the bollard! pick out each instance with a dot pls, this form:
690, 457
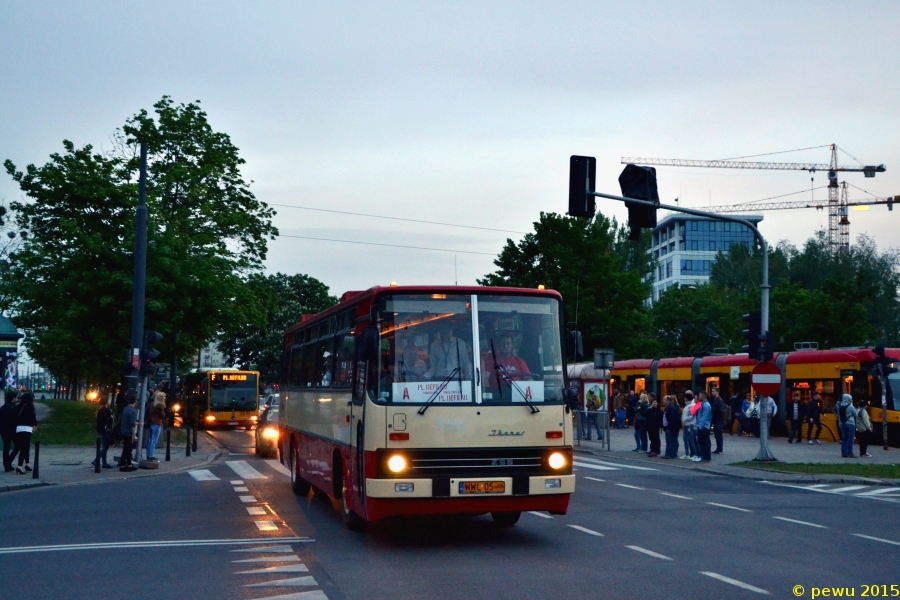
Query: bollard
97, 457
187, 430
196, 430
37, 459
168, 445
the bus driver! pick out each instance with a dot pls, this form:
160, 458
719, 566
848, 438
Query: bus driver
510, 365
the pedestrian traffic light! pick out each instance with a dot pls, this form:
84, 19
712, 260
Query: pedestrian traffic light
766, 346
752, 333
148, 354
639, 183
582, 175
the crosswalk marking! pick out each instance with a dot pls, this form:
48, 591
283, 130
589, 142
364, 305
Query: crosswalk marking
237, 482
255, 510
203, 475
241, 489
849, 488
307, 580
616, 465
294, 568
880, 491
247, 498
278, 467
884, 494
596, 467
244, 470
291, 558
313, 595
266, 525
275, 549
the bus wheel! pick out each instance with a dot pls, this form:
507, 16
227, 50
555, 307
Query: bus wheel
298, 484
352, 520
506, 519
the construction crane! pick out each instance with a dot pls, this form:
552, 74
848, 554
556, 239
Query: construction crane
795, 204
838, 220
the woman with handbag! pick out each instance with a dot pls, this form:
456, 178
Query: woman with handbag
26, 422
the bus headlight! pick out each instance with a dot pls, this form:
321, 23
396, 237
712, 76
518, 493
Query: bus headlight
210, 418
397, 463
556, 461
254, 418
270, 433
176, 408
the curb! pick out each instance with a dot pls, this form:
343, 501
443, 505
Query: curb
758, 474
209, 459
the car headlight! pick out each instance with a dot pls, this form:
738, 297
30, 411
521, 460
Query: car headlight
270, 433
556, 460
397, 463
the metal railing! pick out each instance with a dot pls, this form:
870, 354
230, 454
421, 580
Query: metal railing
589, 423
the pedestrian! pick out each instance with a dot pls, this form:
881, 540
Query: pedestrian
734, 404
771, 410
640, 423
594, 403
702, 425
717, 404
847, 418
128, 429
687, 419
671, 423
797, 413
739, 405
26, 422
752, 415
104, 429
8, 427
619, 405
813, 414
863, 429
157, 419
654, 423
631, 402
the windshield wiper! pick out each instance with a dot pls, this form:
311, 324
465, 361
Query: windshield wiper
504, 375
438, 391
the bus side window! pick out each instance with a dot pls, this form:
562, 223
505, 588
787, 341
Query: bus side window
344, 347
296, 366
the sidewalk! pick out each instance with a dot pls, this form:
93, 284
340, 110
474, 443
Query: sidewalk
71, 465
738, 449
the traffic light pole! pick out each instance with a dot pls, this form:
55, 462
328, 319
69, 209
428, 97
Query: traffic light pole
140, 276
764, 452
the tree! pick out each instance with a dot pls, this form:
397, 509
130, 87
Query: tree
283, 299
683, 318
70, 282
600, 277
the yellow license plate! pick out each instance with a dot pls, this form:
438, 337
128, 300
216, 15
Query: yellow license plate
482, 487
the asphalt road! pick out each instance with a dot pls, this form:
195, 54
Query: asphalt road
630, 533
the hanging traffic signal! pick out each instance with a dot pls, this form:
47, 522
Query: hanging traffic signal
884, 365
582, 175
752, 333
148, 354
639, 183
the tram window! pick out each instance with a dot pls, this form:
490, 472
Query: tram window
344, 346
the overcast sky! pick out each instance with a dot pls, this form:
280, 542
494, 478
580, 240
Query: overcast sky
467, 113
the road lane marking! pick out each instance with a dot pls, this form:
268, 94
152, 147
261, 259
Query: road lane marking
256, 510
631, 487
586, 530
595, 479
849, 488
266, 526
877, 539
886, 490
278, 467
648, 552
247, 498
237, 482
731, 507
285, 582
800, 522
735, 582
291, 558
275, 549
313, 595
595, 467
244, 470
675, 496
241, 488
537, 514
203, 475
616, 465
160, 544
294, 568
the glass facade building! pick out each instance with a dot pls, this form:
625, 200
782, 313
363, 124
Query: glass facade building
685, 247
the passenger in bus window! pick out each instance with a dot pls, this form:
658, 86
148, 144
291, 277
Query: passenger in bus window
448, 353
508, 364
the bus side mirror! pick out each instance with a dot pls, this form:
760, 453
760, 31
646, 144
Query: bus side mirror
368, 343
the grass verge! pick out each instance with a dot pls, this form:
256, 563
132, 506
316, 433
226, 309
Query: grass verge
74, 424
859, 470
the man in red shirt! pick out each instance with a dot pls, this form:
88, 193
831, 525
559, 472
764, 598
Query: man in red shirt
511, 366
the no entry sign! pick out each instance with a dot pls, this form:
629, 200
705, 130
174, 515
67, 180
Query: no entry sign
766, 379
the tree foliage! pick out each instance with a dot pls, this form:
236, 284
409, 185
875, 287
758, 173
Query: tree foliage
599, 274
69, 284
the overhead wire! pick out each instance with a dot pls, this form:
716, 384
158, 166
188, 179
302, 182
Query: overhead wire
304, 237
779, 152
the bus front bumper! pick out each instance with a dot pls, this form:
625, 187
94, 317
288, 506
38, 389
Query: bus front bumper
541, 485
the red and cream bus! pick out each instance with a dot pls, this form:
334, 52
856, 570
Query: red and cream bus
430, 400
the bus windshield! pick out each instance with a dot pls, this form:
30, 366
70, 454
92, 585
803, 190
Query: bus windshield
436, 349
233, 391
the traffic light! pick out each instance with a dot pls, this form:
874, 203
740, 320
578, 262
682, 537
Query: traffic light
148, 354
639, 183
884, 365
752, 333
582, 175
766, 346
